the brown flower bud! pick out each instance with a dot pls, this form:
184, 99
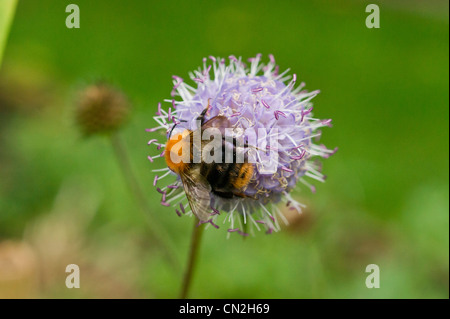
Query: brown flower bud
101, 109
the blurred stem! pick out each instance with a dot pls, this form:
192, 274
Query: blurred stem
7, 9
193, 253
163, 239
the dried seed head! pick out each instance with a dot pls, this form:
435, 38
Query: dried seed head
101, 109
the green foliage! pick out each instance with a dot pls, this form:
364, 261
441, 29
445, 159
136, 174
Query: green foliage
7, 8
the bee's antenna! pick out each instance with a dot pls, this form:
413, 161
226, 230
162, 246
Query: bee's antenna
173, 127
201, 117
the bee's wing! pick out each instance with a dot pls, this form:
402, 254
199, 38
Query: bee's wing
197, 191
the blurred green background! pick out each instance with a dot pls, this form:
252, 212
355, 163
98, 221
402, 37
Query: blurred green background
63, 199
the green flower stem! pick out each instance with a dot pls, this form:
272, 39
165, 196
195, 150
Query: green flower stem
193, 253
7, 9
163, 239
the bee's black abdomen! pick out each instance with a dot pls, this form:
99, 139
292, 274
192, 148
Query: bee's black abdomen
221, 177
226, 179
223, 194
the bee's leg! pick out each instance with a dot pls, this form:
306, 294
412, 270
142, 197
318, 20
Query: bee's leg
234, 141
242, 195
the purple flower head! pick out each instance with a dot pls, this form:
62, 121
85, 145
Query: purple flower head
257, 99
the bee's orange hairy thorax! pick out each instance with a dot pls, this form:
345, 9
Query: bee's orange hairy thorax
174, 152
244, 176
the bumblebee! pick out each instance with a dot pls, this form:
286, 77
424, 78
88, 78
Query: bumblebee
200, 180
